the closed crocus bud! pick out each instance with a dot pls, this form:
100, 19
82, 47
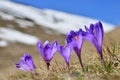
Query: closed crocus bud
26, 63
95, 35
65, 52
47, 51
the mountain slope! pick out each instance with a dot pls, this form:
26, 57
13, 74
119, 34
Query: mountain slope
59, 21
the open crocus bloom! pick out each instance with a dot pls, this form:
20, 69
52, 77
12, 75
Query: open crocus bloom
75, 41
65, 52
26, 63
47, 51
95, 35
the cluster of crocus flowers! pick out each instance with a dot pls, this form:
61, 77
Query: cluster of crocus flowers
74, 41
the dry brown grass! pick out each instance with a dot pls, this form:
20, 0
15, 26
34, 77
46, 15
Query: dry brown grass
93, 68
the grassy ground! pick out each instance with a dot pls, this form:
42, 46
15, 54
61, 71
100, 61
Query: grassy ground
94, 70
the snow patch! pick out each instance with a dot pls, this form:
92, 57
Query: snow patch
3, 43
6, 16
24, 23
11, 35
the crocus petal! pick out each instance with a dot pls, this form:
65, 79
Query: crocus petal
59, 48
73, 43
80, 40
99, 33
92, 40
47, 52
54, 47
75, 39
22, 66
87, 29
70, 36
46, 43
40, 48
29, 62
91, 28
65, 52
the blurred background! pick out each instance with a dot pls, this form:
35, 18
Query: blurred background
24, 22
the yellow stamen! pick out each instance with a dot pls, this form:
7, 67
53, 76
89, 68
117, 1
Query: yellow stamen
64, 46
76, 38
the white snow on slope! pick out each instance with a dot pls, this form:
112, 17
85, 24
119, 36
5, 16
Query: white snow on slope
11, 35
6, 16
24, 23
59, 21
3, 43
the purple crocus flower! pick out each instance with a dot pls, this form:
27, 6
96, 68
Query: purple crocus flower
26, 63
65, 52
75, 41
47, 51
95, 35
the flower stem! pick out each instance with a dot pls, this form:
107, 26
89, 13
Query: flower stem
80, 60
48, 64
68, 67
102, 60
